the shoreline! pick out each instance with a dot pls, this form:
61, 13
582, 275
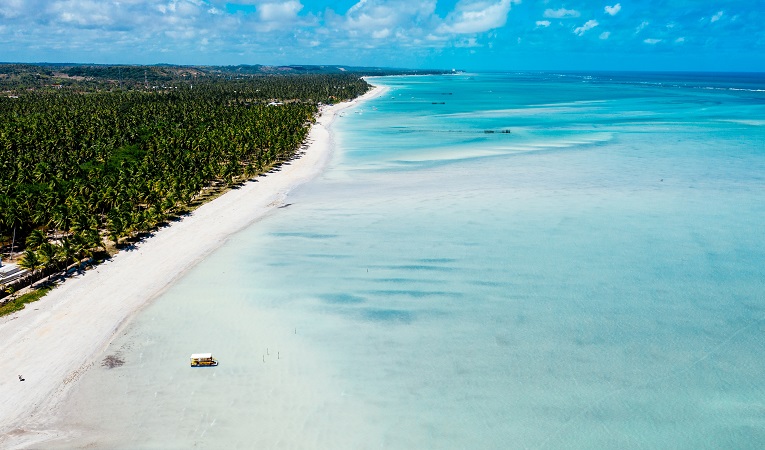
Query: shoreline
52, 342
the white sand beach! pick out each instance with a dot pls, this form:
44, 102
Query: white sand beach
52, 342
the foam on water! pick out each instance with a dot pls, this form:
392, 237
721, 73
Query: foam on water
442, 287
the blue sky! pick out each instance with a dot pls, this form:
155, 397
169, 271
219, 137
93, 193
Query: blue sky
719, 35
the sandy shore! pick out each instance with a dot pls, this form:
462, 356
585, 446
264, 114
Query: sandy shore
51, 343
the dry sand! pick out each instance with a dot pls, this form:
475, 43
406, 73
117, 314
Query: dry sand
52, 342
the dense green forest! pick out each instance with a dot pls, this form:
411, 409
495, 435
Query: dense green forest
83, 165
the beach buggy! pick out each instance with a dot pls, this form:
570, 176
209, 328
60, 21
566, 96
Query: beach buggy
203, 360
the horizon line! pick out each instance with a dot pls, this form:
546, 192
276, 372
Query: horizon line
42, 63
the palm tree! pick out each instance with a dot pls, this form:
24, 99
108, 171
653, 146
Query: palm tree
60, 218
116, 228
92, 239
35, 239
123, 160
48, 254
10, 218
68, 250
82, 246
30, 261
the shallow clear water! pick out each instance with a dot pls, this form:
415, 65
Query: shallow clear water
491, 261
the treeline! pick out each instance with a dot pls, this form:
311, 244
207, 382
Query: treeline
80, 167
16, 78
132, 73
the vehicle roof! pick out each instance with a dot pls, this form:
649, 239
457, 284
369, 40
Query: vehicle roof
201, 355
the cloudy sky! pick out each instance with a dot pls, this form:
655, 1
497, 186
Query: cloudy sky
715, 35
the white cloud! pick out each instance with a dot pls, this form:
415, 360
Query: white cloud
436, 38
176, 11
467, 43
181, 33
613, 10
589, 25
278, 12
277, 16
358, 6
408, 32
383, 24
477, 16
82, 13
366, 16
11, 8
187, 8
561, 13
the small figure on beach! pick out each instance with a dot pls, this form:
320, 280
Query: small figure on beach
21, 378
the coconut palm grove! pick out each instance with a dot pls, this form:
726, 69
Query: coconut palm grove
92, 156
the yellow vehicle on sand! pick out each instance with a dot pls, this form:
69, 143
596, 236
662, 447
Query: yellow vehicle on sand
203, 360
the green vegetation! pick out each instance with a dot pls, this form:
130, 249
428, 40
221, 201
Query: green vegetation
17, 78
18, 303
79, 163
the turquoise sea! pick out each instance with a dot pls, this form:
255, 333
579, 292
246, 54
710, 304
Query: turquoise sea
530, 260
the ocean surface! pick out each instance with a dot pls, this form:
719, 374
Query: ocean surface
495, 261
